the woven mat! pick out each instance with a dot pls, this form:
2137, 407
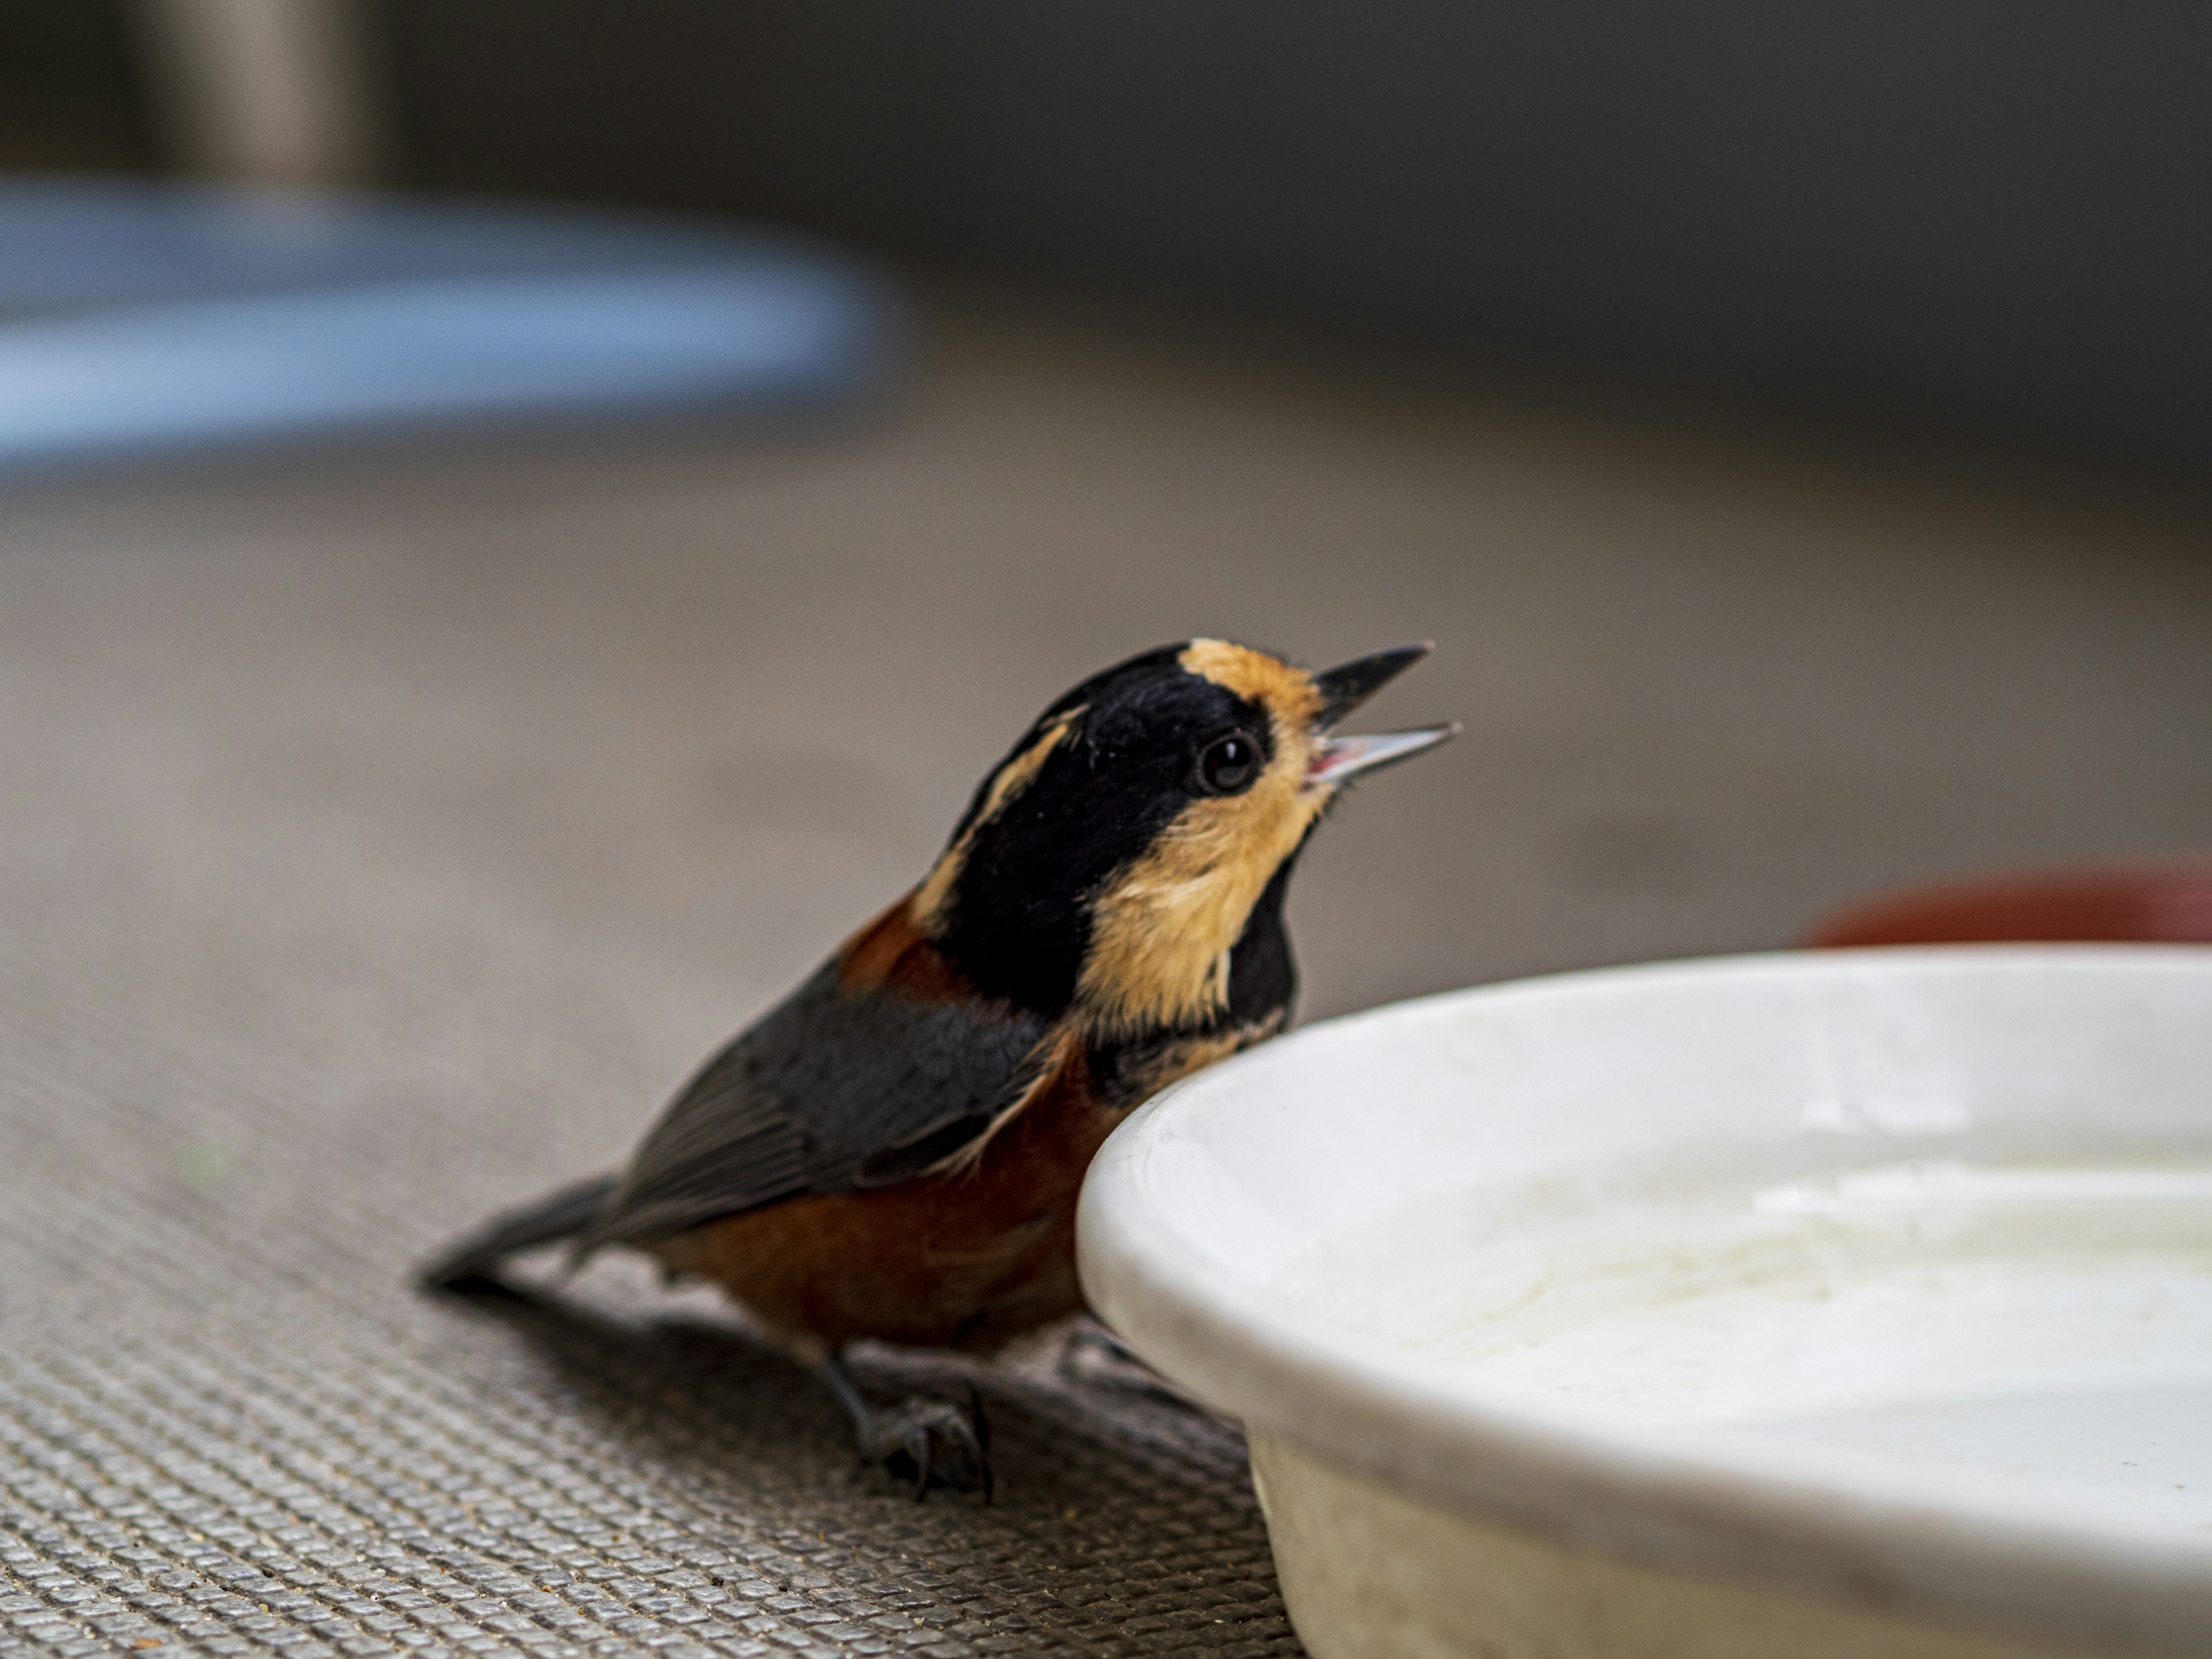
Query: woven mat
381, 838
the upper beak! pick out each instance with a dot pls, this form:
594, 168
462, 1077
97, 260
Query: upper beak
1343, 689
1348, 685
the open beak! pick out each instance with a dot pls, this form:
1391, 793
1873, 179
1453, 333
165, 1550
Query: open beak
1343, 689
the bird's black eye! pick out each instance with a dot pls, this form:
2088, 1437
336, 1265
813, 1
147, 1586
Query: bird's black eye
1228, 764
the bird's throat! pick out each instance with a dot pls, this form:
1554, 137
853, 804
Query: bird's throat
1163, 934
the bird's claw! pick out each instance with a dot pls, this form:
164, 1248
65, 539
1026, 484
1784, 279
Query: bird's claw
934, 1443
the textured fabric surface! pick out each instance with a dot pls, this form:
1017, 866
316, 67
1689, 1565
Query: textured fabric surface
382, 837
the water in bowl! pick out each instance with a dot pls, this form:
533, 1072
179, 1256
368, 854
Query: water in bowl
2048, 1322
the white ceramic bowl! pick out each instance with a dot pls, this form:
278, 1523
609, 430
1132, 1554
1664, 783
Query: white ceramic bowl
1843, 1303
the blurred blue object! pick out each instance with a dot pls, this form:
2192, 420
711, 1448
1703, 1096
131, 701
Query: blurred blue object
141, 319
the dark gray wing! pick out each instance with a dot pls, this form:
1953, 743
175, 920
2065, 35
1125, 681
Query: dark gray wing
831, 1091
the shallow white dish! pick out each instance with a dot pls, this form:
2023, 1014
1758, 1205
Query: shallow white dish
1855, 1302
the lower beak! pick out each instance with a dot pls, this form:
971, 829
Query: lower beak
1336, 759
1343, 689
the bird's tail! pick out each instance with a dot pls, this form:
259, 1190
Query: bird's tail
476, 1258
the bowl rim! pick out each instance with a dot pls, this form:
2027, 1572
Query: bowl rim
1826, 1523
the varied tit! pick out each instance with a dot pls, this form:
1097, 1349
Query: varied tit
893, 1151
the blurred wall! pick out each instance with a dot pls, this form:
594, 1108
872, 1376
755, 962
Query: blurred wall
71, 93
1993, 209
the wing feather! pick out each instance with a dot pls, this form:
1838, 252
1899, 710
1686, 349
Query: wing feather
837, 1088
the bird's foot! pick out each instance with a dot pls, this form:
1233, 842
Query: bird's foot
931, 1442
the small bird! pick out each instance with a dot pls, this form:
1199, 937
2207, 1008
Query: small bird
893, 1151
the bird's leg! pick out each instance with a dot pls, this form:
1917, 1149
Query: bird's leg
929, 1441
1093, 1357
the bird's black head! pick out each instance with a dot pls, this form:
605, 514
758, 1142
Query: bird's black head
1112, 862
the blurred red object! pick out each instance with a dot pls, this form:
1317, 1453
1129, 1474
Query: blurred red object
2167, 900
